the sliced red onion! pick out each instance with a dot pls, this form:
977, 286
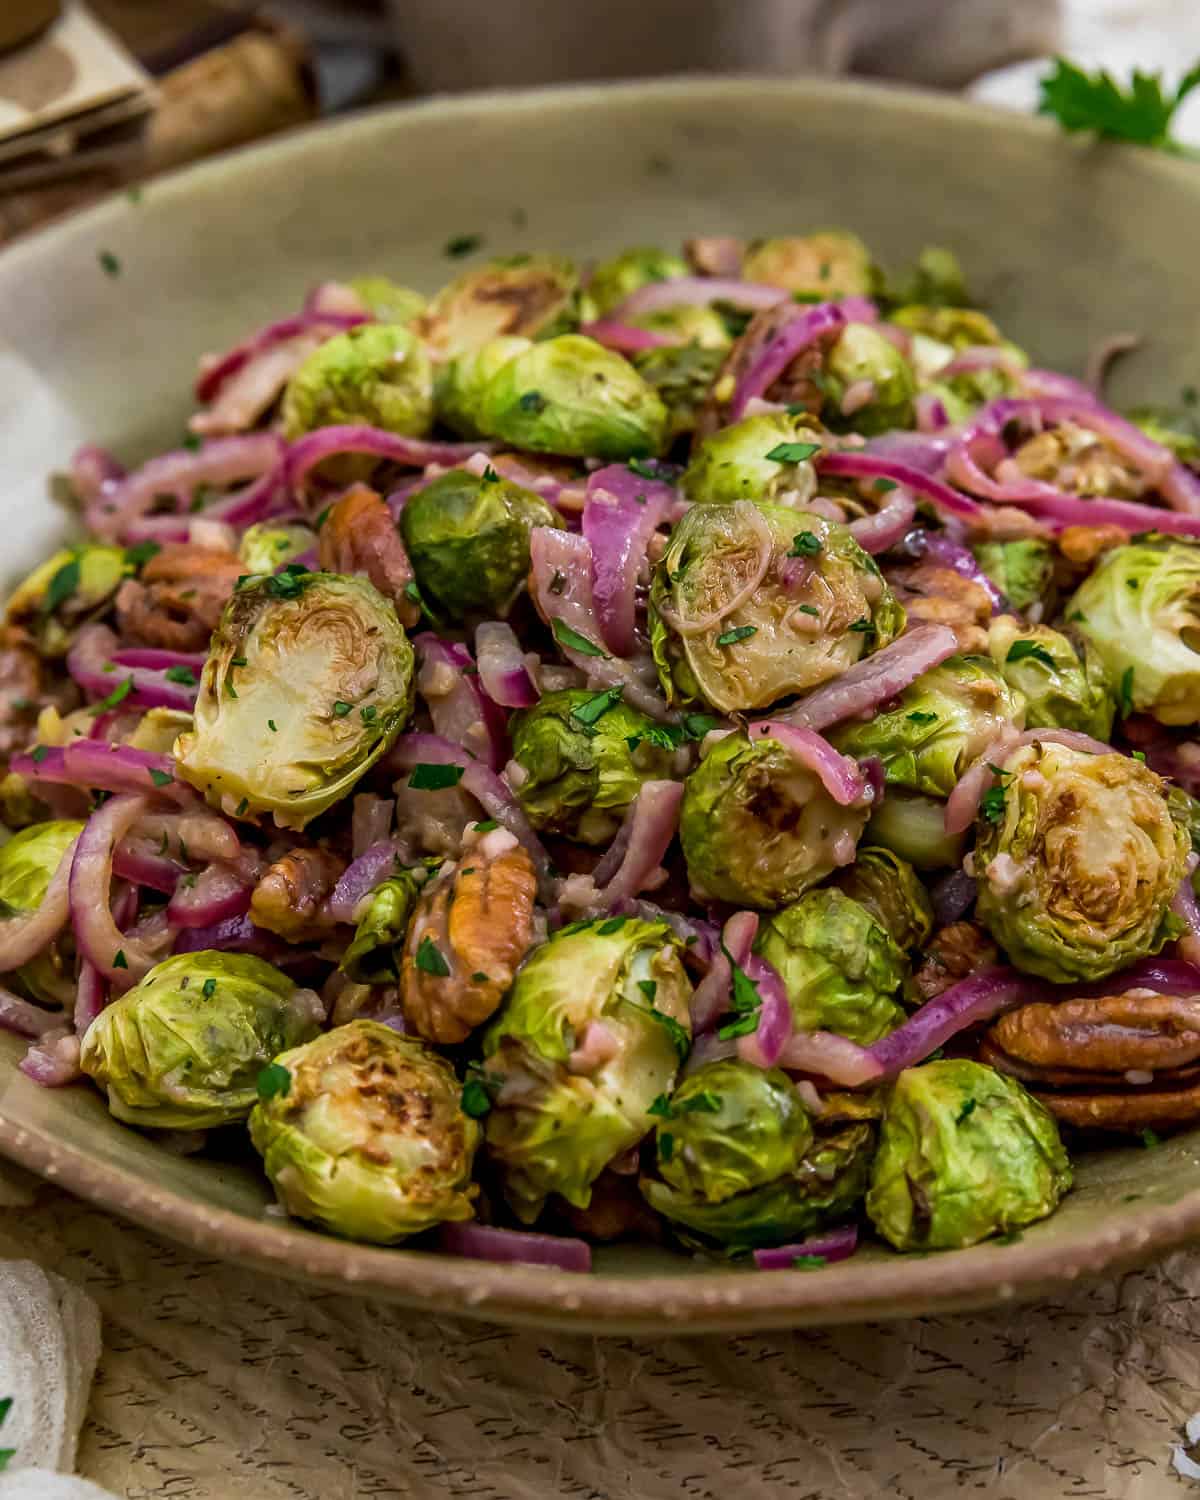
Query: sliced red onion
94, 474
215, 370
25, 1019
157, 660
1165, 976
808, 327
698, 291
251, 390
370, 822
102, 767
216, 895
622, 512
566, 496
488, 789
237, 935
982, 357
178, 474
1061, 510
1055, 386
841, 777
360, 878
764, 1046
329, 442
118, 958
874, 465
649, 826
561, 585
91, 663
931, 412
832, 1245
888, 525
924, 451
515, 1247
449, 682
963, 802
874, 680
953, 896
24, 936
503, 673
710, 998
954, 555
91, 996
53, 1061
626, 338
133, 862
858, 393
830, 1056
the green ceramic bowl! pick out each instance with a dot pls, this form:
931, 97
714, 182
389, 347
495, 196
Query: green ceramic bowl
1067, 243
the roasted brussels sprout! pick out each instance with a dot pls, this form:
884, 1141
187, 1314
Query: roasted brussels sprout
937, 280
758, 828
65, 592
738, 1164
699, 326
750, 603
308, 682
1140, 609
964, 1153
913, 826
826, 264
956, 327
869, 384
615, 279
27, 865
840, 968
579, 760
373, 955
460, 385
1078, 858
529, 296
1062, 687
939, 725
268, 546
568, 395
467, 538
362, 1132
377, 373
768, 457
1023, 569
386, 300
890, 890
591, 1033
682, 376
183, 1049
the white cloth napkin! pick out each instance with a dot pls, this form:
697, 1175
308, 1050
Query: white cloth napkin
1120, 35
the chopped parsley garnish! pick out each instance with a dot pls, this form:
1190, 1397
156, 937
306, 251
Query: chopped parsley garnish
808, 1262
595, 707
479, 977
965, 1112
119, 959
368, 713
613, 924
1024, 650
434, 778
532, 401
661, 1108
274, 1081
745, 1002
182, 675
649, 988
696, 726
489, 476
666, 1147
486, 826
209, 988
884, 486
161, 778
705, 1101
805, 544
229, 687
237, 661
1189, 395
462, 244
642, 469
242, 806
1141, 113
1126, 693
792, 453
476, 1101
193, 442
61, 586
118, 695
808, 609
411, 591
738, 633
429, 959
991, 804
571, 640
341, 709
918, 717
1138, 755
863, 626
271, 726
289, 583
109, 263
1150, 1139
38, 754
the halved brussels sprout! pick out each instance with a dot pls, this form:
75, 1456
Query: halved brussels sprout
568, 395
1140, 609
758, 828
701, 326
592, 1032
740, 1167
532, 296
823, 265
864, 364
582, 759
913, 826
308, 683
362, 1132
373, 955
937, 280
964, 1153
467, 538
65, 592
386, 300
377, 373
938, 726
619, 277
27, 865
1078, 859
889, 888
459, 386
1023, 569
840, 968
681, 375
751, 603
268, 545
1063, 687
183, 1049
767, 457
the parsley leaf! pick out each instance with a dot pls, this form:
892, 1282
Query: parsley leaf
118, 695
341, 709
696, 726
476, 1100
661, 1108
597, 705
808, 1262
1024, 650
429, 959
462, 244
183, 675
613, 924
532, 401
991, 804
109, 263
161, 778
274, 1080
1141, 113
1150, 1139
434, 778
666, 1147
642, 469
738, 633
917, 717
792, 453
571, 640
1126, 693
119, 959
805, 544
965, 1112
61, 586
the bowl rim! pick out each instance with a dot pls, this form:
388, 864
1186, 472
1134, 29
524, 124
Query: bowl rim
722, 1300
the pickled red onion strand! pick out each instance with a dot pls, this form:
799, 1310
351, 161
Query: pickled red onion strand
652, 821
217, 894
217, 369
93, 474
136, 864
360, 878
93, 651
873, 680
249, 391
370, 821
23, 1018
888, 525
1185, 906
962, 560
449, 682
515, 1246
53, 1061
698, 291
626, 338
838, 774
157, 659
808, 327
103, 767
99, 938
830, 1246
620, 515
91, 996
963, 802
874, 465
503, 673
763, 1046
328, 442
24, 936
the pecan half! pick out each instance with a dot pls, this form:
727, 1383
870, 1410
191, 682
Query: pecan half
960, 949
1082, 545
288, 898
938, 595
359, 536
178, 599
471, 928
617, 1211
